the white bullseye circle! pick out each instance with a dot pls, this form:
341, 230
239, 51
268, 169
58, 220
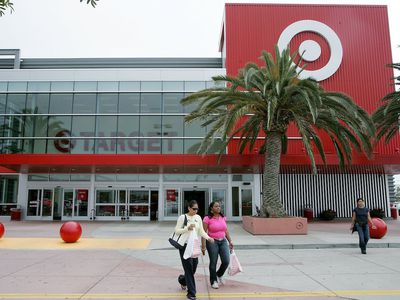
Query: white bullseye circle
310, 50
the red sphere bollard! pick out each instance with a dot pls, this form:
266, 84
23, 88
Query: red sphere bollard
381, 228
2, 230
70, 232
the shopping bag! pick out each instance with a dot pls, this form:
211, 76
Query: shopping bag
234, 265
193, 248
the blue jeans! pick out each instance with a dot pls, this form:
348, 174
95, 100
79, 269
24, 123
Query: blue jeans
220, 248
363, 234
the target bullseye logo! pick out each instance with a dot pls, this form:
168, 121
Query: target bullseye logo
311, 50
64, 144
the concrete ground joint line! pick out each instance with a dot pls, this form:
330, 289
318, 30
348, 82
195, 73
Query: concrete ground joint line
310, 277
104, 276
32, 264
206, 277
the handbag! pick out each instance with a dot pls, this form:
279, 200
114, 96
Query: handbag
234, 265
174, 239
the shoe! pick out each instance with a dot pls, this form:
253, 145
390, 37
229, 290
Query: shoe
221, 280
363, 251
183, 287
191, 297
215, 285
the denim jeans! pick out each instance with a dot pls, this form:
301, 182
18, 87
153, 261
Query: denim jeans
189, 266
363, 234
220, 248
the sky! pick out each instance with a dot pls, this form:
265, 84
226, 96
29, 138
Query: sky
133, 28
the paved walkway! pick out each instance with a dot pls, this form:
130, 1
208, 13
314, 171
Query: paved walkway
134, 261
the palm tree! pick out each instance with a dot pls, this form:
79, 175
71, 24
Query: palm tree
386, 117
269, 99
7, 4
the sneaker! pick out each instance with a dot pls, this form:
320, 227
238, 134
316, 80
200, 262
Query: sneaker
191, 297
215, 285
364, 251
221, 280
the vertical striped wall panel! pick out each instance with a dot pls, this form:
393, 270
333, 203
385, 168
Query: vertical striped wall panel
335, 191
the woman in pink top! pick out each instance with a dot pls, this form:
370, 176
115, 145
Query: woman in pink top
215, 225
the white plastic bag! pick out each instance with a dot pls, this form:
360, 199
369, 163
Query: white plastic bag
234, 265
193, 246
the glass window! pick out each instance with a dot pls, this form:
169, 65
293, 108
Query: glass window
128, 126
147, 146
85, 86
83, 126
107, 86
150, 103
190, 107
172, 146
127, 146
105, 146
82, 146
127, 177
150, 86
16, 103
38, 177
37, 103
191, 145
174, 86
107, 103
84, 104
17, 86
194, 129
60, 103
14, 126
105, 177
3, 101
59, 125
174, 177
242, 177
35, 146
3, 86
12, 146
194, 86
106, 126
129, 103
80, 177
172, 126
35, 126
172, 102
148, 177
129, 86
150, 126
59, 177
62, 86
39, 86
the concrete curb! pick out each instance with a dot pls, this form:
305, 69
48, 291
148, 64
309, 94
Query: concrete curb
305, 246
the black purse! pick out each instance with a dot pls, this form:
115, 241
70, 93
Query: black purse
174, 239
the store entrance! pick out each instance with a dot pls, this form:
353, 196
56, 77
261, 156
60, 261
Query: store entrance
201, 196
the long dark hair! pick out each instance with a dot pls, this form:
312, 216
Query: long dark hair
210, 213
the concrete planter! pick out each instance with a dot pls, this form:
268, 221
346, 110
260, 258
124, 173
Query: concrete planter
287, 225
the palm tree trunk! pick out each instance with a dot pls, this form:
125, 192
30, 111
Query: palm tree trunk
272, 205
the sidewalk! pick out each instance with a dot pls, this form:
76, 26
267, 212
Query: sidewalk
275, 267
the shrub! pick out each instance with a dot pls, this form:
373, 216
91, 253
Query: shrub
327, 215
377, 213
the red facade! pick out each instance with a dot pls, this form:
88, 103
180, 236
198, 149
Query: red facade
363, 73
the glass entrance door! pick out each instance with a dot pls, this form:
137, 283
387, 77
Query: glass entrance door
75, 203
40, 203
242, 201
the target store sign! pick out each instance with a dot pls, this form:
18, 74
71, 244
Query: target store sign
345, 46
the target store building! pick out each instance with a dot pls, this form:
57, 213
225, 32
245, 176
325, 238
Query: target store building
105, 139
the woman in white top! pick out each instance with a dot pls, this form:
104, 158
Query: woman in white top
194, 222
